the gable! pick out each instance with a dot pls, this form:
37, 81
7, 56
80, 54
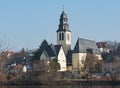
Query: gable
61, 51
44, 56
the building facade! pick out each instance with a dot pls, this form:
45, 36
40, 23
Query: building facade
68, 59
80, 51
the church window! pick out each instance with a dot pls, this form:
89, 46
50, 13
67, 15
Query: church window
59, 36
62, 36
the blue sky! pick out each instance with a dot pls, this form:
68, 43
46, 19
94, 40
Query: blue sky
26, 23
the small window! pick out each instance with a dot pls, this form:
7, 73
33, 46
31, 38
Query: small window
59, 36
62, 36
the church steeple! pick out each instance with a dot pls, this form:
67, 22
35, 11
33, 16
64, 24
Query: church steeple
63, 25
63, 33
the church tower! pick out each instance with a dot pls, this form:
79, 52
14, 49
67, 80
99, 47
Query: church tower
63, 33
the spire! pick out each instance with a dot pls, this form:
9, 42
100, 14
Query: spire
63, 22
63, 7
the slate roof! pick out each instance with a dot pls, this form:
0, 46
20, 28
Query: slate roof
57, 47
44, 44
62, 17
16, 61
85, 45
52, 50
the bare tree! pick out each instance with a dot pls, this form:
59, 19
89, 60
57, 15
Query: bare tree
4, 43
92, 64
3, 56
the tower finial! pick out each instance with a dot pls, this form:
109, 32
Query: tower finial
63, 7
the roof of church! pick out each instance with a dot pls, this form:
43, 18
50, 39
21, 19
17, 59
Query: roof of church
62, 17
57, 47
51, 50
85, 45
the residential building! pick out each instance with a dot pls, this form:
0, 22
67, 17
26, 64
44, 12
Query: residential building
103, 46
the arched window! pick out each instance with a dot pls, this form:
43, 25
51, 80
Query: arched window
62, 36
59, 36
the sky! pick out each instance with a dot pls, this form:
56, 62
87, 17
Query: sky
26, 23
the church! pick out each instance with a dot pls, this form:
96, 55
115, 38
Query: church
68, 59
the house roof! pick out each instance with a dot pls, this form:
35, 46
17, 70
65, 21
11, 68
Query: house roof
85, 45
16, 61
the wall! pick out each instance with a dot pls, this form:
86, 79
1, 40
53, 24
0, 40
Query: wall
62, 60
78, 60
